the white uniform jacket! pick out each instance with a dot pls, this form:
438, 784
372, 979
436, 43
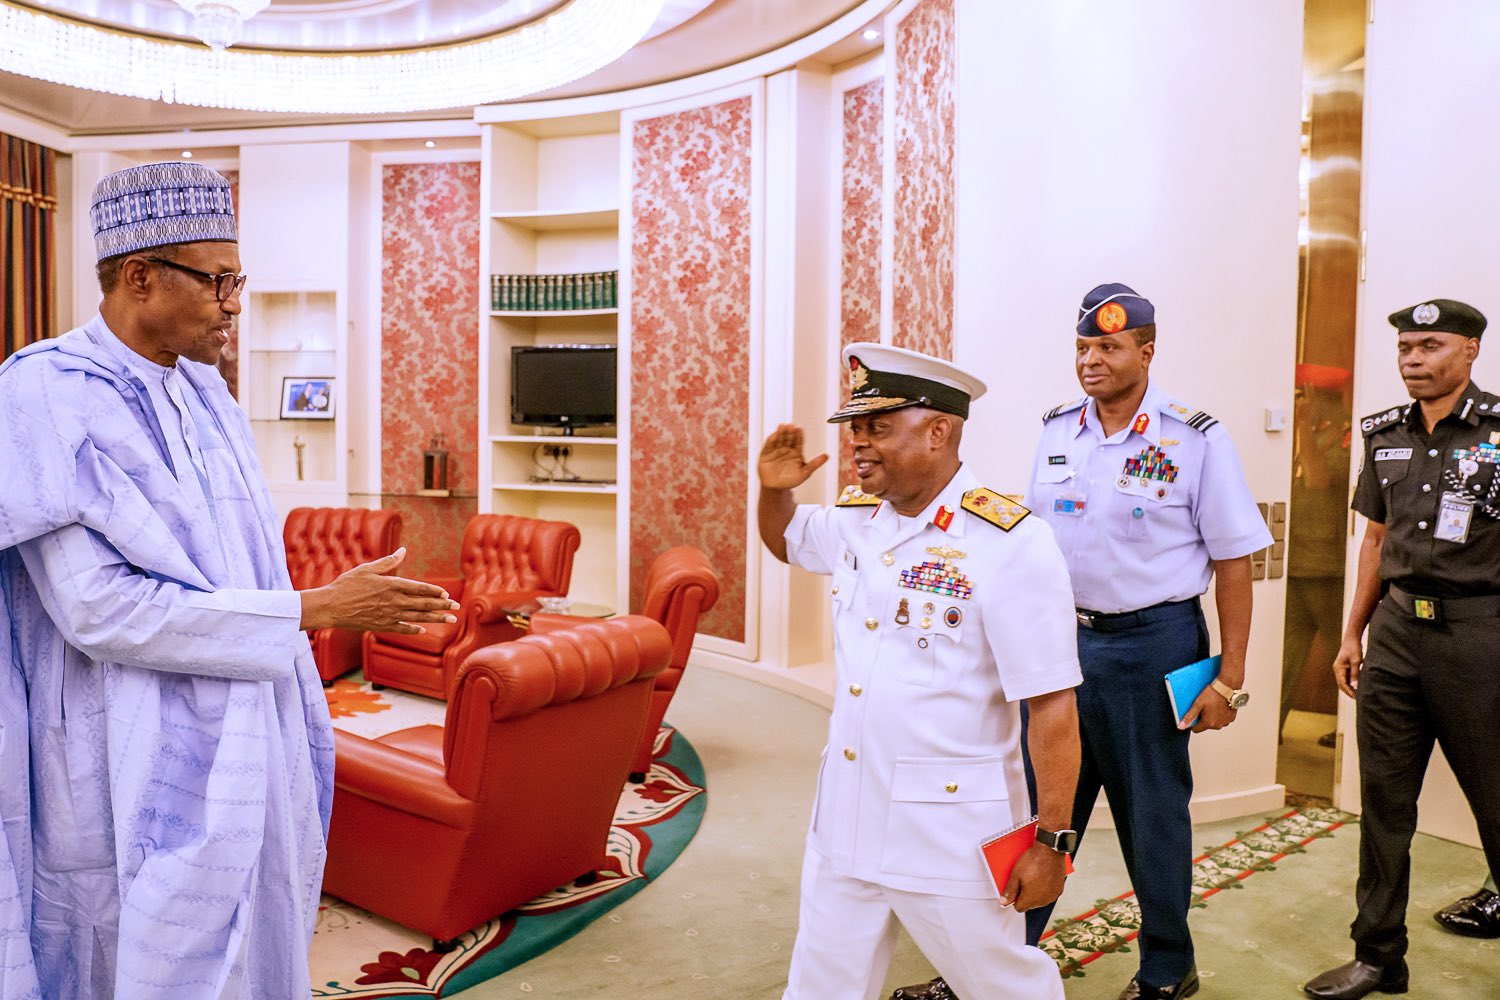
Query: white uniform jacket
938, 636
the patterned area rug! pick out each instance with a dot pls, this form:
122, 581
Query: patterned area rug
1114, 923
357, 954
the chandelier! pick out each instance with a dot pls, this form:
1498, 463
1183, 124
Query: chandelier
571, 42
219, 22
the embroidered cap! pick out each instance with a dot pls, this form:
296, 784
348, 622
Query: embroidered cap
157, 204
885, 378
1111, 308
1440, 316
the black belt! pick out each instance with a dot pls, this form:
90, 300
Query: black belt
1441, 609
1119, 621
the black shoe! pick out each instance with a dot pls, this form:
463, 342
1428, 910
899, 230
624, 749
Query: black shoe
1473, 916
1180, 990
938, 989
1358, 979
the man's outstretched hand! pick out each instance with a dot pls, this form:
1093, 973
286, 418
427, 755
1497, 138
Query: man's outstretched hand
365, 598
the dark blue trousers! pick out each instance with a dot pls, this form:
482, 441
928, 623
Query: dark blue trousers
1133, 749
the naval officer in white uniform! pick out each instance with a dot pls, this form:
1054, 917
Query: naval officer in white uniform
952, 606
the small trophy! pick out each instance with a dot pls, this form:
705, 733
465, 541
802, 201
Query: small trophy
300, 445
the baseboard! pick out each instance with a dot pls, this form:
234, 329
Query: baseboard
812, 683
1212, 808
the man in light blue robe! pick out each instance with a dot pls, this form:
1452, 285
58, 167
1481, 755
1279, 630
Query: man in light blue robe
166, 747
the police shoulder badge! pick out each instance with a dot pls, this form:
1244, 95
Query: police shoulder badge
853, 496
1064, 408
1003, 513
1382, 420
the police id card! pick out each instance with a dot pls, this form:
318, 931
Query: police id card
1454, 512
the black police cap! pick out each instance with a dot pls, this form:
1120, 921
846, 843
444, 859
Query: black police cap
1440, 316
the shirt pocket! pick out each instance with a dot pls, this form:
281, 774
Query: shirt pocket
923, 633
1050, 479
942, 808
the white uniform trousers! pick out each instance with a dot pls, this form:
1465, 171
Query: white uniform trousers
847, 931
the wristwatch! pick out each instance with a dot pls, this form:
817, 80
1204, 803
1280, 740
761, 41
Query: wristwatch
1061, 841
1237, 697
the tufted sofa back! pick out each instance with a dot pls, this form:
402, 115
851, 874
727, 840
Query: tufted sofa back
505, 553
322, 542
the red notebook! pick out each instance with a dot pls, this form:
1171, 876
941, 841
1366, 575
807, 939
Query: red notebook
1002, 851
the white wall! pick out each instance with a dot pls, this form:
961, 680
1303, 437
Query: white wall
1432, 137
1154, 143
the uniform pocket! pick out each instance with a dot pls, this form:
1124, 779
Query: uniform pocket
919, 638
941, 809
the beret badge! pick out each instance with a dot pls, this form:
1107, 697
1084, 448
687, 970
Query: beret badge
1426, 314
1111, 317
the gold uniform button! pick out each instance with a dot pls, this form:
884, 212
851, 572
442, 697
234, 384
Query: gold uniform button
856, 690
834, 591
871, 624
888, 558
952, 787
849, 754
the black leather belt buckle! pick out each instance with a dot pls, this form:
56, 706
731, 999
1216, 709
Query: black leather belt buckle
1427, 609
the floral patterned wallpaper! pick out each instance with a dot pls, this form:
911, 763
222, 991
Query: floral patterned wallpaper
859, 257
690, 349
922, 310
429, 379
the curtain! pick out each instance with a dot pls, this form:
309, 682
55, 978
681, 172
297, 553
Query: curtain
28, 242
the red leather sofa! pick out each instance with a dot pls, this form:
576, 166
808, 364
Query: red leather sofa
680, 586
323, 542
506, 561
443, 828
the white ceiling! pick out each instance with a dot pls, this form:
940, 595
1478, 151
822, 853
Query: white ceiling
691, 36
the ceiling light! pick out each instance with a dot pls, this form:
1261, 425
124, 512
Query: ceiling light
571, 42
187, 154
219, 22
869, 34
429, 144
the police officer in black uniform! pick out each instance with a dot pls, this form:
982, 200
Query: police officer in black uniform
1428, 587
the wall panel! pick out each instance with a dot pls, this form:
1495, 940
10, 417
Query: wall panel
859, 241
691, 259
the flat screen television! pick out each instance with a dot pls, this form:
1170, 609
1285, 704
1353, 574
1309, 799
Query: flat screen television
568, 386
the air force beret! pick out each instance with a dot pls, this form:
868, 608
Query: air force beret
1111, 308
885, 378
157, 204
1440, 316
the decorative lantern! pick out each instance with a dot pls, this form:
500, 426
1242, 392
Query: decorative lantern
435, 468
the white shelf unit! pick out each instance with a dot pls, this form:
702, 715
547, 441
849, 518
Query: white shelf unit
296, 333
551, 195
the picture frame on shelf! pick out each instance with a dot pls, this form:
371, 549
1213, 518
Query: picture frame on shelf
307, 397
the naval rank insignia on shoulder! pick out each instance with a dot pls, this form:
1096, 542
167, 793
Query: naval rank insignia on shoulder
1062, 408
1001, 511
1380, 421
853, 496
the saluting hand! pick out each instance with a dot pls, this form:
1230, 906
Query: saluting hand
365, 598
781, 466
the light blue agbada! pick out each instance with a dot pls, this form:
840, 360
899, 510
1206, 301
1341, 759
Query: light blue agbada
156, 689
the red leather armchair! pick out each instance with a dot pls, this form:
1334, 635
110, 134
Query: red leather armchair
505, 561
443, 828
680, 586
323, 542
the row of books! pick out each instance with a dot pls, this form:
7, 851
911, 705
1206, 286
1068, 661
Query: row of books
541, 292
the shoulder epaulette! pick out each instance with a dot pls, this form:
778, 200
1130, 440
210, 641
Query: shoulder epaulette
1200, 421
1003, 512
853, 496
1060, 409
1380, 421
1487, 405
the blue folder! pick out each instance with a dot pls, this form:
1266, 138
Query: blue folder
1185, 684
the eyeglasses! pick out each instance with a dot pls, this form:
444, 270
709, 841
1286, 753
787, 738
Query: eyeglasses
225, 285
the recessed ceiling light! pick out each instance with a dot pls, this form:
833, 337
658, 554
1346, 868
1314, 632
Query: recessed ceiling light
187, 154
429, 144
869, 34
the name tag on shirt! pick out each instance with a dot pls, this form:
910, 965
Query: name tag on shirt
1392, 454
1069, 504
1057, 459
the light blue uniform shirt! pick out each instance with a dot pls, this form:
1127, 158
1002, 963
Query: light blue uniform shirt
1141, 515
